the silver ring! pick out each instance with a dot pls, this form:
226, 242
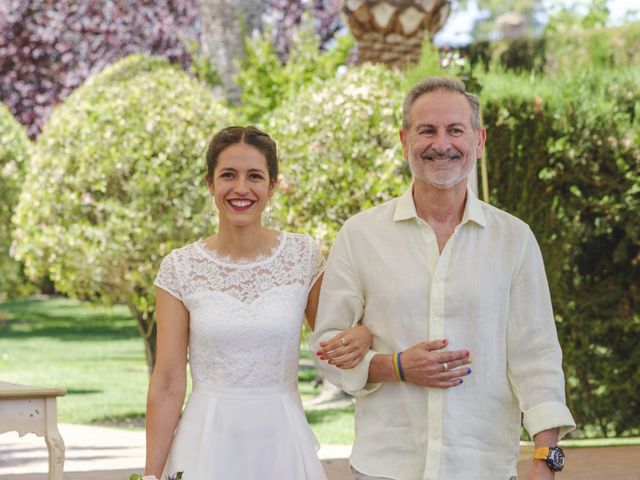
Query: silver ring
342, 341
446, 367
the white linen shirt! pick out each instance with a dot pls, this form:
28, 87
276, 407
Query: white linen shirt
485, 292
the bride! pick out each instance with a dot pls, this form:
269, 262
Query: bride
235, 302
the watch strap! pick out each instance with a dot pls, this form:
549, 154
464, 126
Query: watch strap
541, 453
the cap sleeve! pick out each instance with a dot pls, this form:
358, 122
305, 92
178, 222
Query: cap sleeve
167, 277
317, 262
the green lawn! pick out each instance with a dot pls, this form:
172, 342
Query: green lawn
97, 355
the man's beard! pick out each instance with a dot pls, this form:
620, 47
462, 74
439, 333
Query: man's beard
441, 179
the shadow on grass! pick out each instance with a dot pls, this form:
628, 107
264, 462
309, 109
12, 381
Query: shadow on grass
134, 420
317, 417
82, 391
65, 319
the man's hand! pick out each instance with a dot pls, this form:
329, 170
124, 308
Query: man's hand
423, 365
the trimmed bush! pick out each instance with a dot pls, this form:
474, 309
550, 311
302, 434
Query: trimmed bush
339, 150
14, 146
116, 182
564, 156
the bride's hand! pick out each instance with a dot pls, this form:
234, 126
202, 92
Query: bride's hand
346, 349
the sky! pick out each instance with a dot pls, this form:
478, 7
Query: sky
457, 29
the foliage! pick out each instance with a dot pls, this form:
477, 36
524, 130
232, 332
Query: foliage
47, 49
563, 51
566, 18
266, 82
484, 26
595, 48
564, 155
287, 16
14, 146
116, 182
339, 150
434, 62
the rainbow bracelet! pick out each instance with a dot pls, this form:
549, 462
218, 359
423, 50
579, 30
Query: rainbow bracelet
400, 367
397, 366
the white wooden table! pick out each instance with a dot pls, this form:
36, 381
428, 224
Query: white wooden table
27, 409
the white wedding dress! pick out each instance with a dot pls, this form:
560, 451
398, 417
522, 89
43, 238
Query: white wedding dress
244, 419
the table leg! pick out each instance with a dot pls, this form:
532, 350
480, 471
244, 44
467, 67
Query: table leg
54, 441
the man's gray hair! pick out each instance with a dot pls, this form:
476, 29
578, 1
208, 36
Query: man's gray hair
431, 84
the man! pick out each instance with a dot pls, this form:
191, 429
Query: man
455, 294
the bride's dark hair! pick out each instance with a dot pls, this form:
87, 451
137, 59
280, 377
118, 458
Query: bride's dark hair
248, 135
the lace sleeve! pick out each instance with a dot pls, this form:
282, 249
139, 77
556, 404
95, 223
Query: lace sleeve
317, 262
167, 278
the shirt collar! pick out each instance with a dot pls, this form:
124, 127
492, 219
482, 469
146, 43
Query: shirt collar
406, 208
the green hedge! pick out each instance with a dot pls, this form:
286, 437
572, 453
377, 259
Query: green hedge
116, 182
14, 147
564, 155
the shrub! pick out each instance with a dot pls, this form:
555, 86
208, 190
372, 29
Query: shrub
266, 83
14, 146
116, 182
339, 149
47, 49
564, 155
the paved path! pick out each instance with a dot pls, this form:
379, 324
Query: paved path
98, 453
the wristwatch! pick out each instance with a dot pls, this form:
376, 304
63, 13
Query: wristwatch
554, 456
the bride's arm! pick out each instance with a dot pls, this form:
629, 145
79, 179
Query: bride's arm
346, 349
312, 303
168, 381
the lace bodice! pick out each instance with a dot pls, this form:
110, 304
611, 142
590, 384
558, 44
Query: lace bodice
245, 318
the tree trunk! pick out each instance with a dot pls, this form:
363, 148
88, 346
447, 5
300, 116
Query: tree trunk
147, 327
224, 25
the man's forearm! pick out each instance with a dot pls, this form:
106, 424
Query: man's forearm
546, 438
381, 369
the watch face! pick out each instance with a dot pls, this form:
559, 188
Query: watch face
555, 460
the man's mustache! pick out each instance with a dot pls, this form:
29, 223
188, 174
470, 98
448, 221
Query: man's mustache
432, 154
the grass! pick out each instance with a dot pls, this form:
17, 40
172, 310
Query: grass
97, 355
94, 352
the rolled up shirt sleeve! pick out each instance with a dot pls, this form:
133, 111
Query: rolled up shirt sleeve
534, 357
341, 307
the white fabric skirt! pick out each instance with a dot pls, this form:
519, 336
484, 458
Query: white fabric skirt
244, 434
